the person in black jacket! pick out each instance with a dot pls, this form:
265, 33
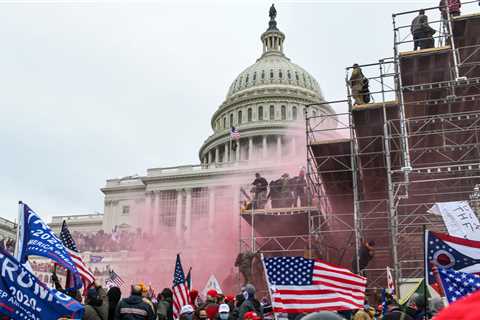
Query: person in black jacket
133, 307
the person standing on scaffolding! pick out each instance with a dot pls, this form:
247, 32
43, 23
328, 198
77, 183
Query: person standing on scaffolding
422, 32
452, 6
299, 186
359, 85
259, 191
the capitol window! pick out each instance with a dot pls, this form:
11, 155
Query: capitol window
260, 113
224, 122
271, 74
280, 74
284, 113
272, 112
231, 119
294, 113
263, 74
125, 210
255, 76
249, 114
239, 117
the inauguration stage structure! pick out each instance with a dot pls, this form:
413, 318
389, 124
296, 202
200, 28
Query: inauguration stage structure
376, 170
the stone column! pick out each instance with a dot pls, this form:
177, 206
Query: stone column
155, 211
225, 154
178, 217
237, 157
264, 147
188, 215
236, 209
294, 145
279, 146
209, 157
211, 210
217, 154
250, 148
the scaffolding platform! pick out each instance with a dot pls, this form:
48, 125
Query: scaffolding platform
278, 211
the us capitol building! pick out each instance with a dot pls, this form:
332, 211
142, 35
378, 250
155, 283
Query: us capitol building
179, 205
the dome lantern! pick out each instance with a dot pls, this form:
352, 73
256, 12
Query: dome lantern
272, 39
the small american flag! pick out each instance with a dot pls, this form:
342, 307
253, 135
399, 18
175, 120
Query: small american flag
67, 240
181, 294
114, 280
457, 284
234, 134
305, 285
390, 283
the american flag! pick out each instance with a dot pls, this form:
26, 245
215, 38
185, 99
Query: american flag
67, 240
181, 294
305, 285
234, 134
457, 284
114, 280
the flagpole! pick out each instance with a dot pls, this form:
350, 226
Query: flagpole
16, 252
425, 267
268, 284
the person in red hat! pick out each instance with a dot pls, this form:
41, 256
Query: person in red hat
251, 315
211, 305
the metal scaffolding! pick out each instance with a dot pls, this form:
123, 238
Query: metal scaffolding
415, 144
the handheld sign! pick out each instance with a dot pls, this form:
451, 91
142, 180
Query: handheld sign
37, 239
24, 296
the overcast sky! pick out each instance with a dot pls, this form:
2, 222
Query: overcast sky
91, 90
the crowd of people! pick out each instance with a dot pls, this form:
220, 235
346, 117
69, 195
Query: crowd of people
102, 241
285, 192
7, 244
144, 304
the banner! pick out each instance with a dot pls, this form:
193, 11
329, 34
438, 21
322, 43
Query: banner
23, 296
95, 259
459, 219
37, 239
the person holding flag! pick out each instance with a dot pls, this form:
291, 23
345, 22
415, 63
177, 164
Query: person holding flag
181, 293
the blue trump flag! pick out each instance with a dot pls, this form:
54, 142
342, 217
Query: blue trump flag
23, 296
37, 239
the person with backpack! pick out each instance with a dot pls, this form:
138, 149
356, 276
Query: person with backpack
133, 307
96, 304
359, 85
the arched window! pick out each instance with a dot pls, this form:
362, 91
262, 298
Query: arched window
231, 119
263, 74
271, 74
239, 120
272, 112
284, 113
289, 75
260, 113
246, 80
280, 74
249, 115
294, 113
254, 76
224, 122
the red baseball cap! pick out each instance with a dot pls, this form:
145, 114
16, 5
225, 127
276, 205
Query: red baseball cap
251, 315
212, 293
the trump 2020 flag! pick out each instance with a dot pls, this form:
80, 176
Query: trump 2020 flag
37, 239
301, 285
446, 251
23, 296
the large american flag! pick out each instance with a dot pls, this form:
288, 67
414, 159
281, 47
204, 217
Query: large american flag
457, 284
67, 240
305, 285
181, 294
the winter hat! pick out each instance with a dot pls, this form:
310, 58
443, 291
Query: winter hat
193, 296
186, 309
92, 294
223, 308
250, 289
323, 315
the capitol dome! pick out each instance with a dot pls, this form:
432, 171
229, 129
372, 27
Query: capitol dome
265, 104
273, 70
